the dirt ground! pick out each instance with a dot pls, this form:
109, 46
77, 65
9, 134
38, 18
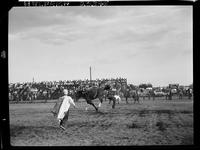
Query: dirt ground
158, 122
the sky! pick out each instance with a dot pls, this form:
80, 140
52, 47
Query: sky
145, 44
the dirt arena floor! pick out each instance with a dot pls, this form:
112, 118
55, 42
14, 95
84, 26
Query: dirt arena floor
158, 122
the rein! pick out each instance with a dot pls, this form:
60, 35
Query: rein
95, 94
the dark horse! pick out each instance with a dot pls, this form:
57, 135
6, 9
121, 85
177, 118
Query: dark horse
128, 93
90, 94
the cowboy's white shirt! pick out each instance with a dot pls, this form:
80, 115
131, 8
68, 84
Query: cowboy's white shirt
65, 106
117, 97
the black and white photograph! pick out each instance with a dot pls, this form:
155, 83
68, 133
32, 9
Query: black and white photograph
101, 75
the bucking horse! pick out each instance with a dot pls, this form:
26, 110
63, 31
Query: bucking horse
91, 94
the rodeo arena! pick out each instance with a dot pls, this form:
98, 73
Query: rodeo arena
100, 112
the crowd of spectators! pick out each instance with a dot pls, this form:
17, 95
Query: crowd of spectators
53, 89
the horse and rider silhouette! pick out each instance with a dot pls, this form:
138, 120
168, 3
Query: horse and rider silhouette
129, 92
102, 93
93, 93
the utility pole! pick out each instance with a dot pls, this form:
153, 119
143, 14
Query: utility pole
90, 74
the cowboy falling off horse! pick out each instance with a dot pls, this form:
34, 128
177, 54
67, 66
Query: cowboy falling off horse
61, 108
